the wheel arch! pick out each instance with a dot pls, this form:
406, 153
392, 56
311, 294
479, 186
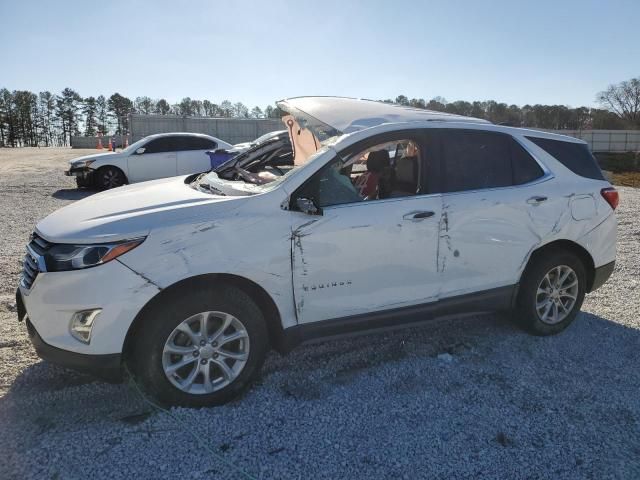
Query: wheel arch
255, 291
571, 246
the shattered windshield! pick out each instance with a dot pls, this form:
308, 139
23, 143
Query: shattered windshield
266, 187
243, 183
266, 166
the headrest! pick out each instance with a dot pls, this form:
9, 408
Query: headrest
378, 161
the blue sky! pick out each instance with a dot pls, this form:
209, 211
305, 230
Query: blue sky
260, 51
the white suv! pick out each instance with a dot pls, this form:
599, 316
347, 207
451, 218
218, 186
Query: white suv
388, 215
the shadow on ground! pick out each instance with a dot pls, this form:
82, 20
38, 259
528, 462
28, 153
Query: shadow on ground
564, 406
591, 343
72, 193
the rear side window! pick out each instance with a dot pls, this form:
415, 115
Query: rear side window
575, 156
475, 160
183, 143
525, 168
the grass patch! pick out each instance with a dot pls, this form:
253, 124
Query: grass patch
625, 179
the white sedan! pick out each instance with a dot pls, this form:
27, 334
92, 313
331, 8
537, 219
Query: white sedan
244, 146
156, 156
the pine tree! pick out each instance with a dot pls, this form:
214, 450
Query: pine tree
90, 110
120, 107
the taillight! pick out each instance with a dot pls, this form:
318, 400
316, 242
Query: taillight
610, 194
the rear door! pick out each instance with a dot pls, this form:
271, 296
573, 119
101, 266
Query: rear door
497, 206
157, 161
192, 156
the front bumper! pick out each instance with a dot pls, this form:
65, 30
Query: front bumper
107, 367
83, 173
55, 296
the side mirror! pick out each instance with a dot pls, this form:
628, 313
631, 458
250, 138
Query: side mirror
140, 151
307, 206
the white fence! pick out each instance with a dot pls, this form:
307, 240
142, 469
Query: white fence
606, 141
92, 142
231, 130
236, 130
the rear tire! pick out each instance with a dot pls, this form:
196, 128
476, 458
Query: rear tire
109, 177
551, 292
215, 370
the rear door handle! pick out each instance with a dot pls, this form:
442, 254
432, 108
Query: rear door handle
537, 199
418, 215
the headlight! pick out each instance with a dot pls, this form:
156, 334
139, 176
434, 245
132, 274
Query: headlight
63, 257
82, 163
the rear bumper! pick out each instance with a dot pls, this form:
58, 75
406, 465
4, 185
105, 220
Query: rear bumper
106, 367
601, 275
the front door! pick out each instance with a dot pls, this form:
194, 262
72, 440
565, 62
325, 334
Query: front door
374, 247
157, 161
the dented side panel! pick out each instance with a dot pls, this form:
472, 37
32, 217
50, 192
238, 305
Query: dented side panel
600, 242
365, 257
488, 236
252, 241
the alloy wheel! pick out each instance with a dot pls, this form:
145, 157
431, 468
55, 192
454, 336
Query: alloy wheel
111, 179
206, 352
557, 294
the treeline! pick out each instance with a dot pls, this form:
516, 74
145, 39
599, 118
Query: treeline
47, 119
554, 117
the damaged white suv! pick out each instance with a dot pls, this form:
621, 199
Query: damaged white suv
375, 216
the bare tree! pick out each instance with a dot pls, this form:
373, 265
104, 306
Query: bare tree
210, 109
226, 109
623, 99
240, 110
197, 109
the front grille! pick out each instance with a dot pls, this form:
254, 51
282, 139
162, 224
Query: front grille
37, 247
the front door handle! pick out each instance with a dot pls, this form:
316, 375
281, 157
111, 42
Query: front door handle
536, 200
421, 215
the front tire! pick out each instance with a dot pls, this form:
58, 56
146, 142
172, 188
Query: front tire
84, 182
551, 292
200, 348
109, 177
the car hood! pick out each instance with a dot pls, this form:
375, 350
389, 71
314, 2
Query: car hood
131, 211
92, 156
347, 115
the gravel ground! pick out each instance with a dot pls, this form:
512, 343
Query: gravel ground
466, 397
